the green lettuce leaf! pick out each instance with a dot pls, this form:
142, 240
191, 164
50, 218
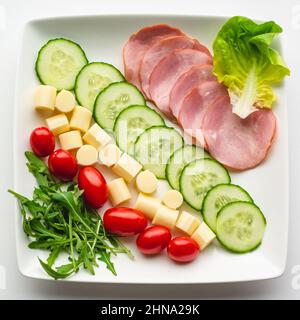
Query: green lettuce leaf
247, 65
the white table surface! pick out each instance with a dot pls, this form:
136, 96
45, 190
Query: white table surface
13, 15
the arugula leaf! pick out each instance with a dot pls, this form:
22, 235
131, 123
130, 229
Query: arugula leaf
53, 256
38, 227
47, 244
21, 198
58, 220
67, 199
87, 259
105, 257
79, 242
118, 244
26, 222
36, 162
39, 169
54, 274
39, 194
65, 268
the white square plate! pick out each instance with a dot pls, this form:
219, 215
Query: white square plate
102, 38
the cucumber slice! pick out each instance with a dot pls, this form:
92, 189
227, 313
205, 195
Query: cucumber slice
154, 147
112, 100
179, 159
198, 177
131, 122
59, 62
217, 197
92, 79
240, 226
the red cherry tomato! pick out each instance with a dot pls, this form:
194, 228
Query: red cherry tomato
183, 249
124, 221
94, 185
42, 141
63, 165
153, 240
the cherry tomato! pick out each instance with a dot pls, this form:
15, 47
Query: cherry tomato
42, 141
94, 185
63, 164
124, 221
153, 240
183, 249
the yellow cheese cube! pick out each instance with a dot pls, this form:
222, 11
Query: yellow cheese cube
96, 136
146, 182
65, 101
203, 235
187, 223
109, 155
86, 155
70, 140
58, 124
166, 217
127, 167
118, 191
81, 119
148, 205
172, 199
45, 98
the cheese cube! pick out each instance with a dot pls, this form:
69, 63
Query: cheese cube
86, 155
70, 140
203, 235
58, 124
187, 223
96, 136
146, 182
127, 167
165, 217
172, 199
109, 155
45, 98
81, 119
65, 101
118, 191
148, 205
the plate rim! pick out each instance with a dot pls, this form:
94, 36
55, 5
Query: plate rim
31, 22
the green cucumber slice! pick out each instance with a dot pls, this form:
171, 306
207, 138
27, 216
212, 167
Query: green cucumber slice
217, 197
92, 79
179, 159
133, 121
154, 147
59, 62
112, 100
198, 177
240, 226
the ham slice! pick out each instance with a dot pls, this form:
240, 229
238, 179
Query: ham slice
139, 43
196, 104
161, 49
167, 72
190, 79
239, 144
176, 73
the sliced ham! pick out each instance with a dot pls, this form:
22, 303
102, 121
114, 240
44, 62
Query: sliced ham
239, 144
190, 79
196, 104
139, 43
159, 50
167, 72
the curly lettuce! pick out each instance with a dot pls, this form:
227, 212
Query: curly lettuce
247, 65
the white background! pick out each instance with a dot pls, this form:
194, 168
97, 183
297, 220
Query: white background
13, 15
